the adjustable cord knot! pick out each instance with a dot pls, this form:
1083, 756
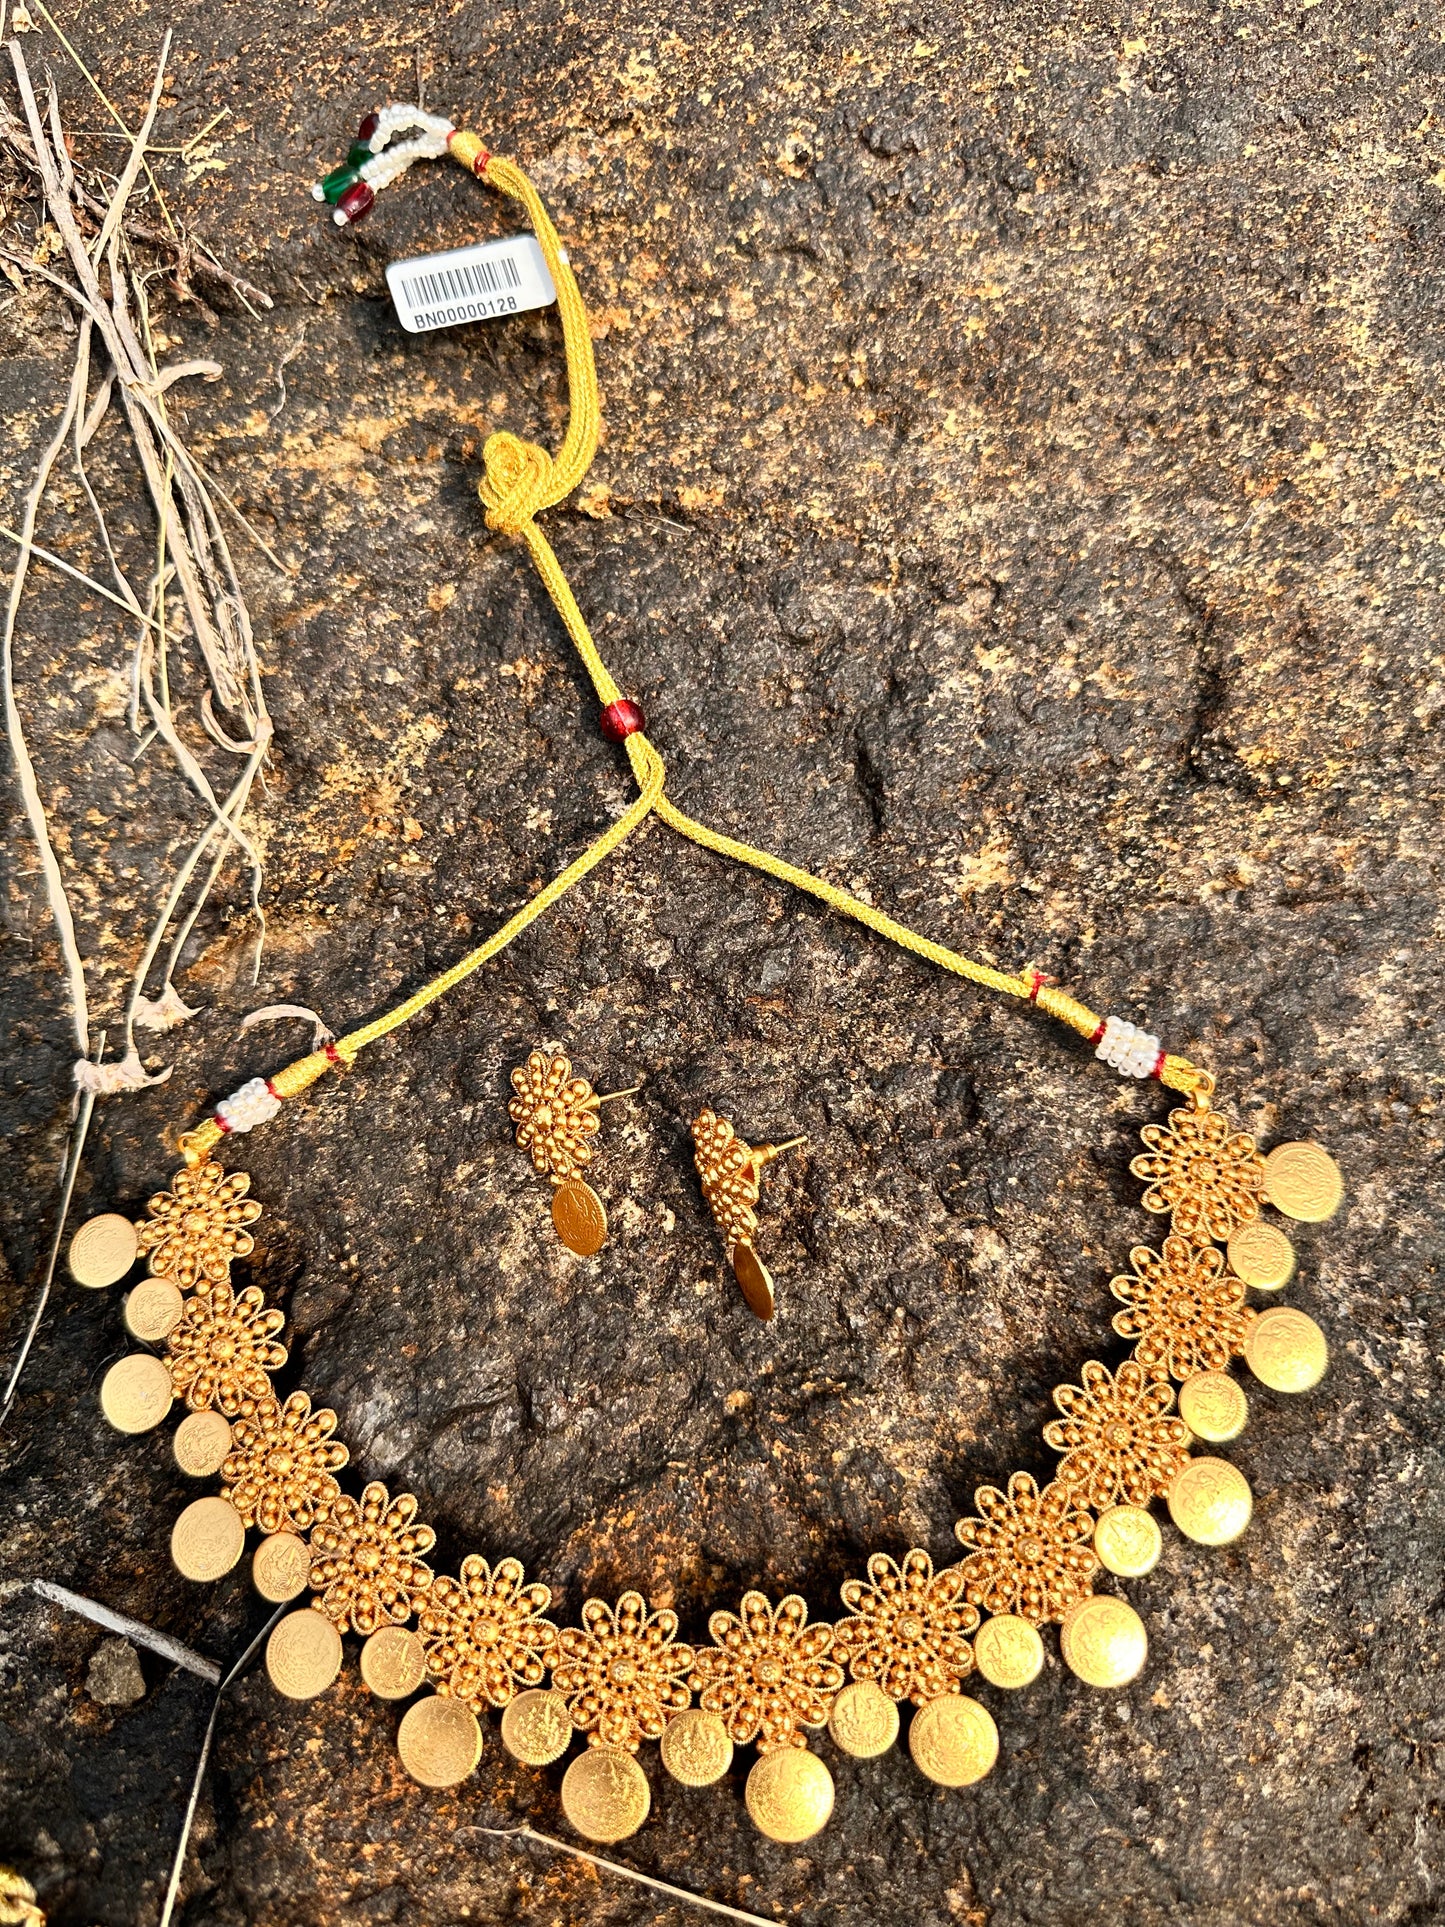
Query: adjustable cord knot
520, 479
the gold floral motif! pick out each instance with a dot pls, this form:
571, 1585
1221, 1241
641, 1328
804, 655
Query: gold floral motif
768, 1673
1210, 1177
1028, 1550
223, 1348
1120, 1445
731, 1177
484, 1633
623, 1673
1186, 1312
555, 1115
278, 1473
907, 1628
364, 1560
196, 1228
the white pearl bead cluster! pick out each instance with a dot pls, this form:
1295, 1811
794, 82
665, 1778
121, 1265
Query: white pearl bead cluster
255, 1103
389, 163
1130, 1051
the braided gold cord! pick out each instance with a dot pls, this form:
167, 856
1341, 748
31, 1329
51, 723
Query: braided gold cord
520, 480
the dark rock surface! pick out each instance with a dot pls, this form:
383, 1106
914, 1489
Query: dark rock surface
1021, 499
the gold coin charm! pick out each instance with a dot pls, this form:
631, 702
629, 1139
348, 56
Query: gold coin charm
953, 1740
1303, 1181
1213, 1406
207, 1539
202, 1441
696, 1748
393, 1663
1103, 1641
303, 1654
280, 1567
536, 1727
1008, 1651
439, 1741
605, 1795
1128, 1541
1286, 1350
756, 1281
1261, 1255
1210, 1501
103, 1250
580, 1219
789, 1795
864, 1721
153, 1310
135, 1393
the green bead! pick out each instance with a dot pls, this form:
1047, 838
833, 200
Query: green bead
359, 152
336, 183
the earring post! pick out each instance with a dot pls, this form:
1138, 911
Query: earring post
606, 1097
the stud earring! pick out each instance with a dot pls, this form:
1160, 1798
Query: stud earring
731, 1173
556, 1118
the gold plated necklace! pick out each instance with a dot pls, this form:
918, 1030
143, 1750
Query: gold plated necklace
768, 1674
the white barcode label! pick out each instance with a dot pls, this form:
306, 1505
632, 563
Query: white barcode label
470, 284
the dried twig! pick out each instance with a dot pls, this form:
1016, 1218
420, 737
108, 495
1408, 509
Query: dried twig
525, 1832
134, 1629
79, 1131
178, 1865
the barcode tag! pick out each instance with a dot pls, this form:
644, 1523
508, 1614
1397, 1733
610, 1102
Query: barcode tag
470, 284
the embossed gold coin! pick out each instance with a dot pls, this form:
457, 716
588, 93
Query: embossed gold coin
1213, 1406
1303, 1181
696, 1748
393, 1663
103, 1250
789, 1795
579, 1217
303, 1654
207, 1539
1286, 1350
1104, 1642
1128, 1541
1210, 1500
202, 1440
864, 1721
135, 1393
756, 1281
953, 1740
1261, 1255
280, 1567
439, 1741
1008, 1651
536, 1727
605, 1795
153, 1309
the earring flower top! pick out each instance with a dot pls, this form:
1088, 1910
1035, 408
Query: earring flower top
555, 1114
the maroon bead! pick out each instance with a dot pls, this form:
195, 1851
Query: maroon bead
621, 719
356, 203
368, 127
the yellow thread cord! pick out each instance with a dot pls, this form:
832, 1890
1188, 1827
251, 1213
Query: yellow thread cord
520, 480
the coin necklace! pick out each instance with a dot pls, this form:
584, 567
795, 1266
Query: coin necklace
1034, 1553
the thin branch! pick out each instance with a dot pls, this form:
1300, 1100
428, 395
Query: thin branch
134, 1629
627, 1873
178, 1865
79, 1130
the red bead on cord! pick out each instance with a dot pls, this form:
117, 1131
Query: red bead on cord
621, 719
368, 127
1098, 1036
1158, 1070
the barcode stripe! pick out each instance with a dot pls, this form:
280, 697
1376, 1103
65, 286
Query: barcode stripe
470, 278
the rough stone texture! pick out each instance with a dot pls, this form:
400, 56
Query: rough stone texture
1021, 498
114, 1677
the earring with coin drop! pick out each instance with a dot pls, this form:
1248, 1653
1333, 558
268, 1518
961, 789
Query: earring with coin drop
556, 1118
